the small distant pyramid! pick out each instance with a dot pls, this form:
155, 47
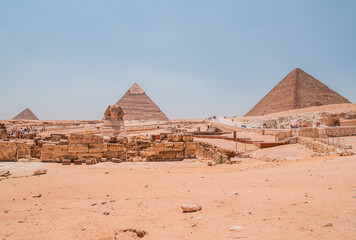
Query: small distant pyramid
138, 106
26, 114
297, 90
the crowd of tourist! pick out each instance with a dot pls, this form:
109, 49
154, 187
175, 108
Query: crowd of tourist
22, 131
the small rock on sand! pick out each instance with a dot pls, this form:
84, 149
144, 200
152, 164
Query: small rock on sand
328, 225
37, 195
40, 172
139, 233
106, 213
236, 228
5, 173
191, 207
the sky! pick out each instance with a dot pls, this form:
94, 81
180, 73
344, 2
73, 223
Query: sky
70, 59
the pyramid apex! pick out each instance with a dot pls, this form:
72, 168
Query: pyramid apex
26, 114
136, 89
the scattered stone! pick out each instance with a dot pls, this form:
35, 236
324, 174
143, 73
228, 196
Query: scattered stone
6, 211
103, 203
93, 204
139, 233
112, 201
116, 160
344, 152
106, 172
84, 229
328, 225
37, 195
21, 221
5, 173
236, 228
191, 207
211, 163
103, 160
235, 193
106, 213
40, 172
88, 162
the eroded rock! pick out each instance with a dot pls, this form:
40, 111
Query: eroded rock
191, 207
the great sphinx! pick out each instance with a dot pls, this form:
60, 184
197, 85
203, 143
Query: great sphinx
114, 112
113, 121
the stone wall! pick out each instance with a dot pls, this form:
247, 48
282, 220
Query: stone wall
308, 132
83, 146
316, 146
348, 123
340, 131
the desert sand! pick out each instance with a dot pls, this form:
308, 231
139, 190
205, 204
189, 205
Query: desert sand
313, 198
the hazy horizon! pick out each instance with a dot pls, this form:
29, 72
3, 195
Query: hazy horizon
69, 60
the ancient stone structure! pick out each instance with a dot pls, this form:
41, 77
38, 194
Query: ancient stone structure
81, 147
138, 106
297, 90
26, 114
113, 121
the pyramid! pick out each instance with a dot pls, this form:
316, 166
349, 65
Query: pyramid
26, 114
138, 106
297, 90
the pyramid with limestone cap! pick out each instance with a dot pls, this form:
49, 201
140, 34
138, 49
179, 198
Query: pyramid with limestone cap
26, 114
297, 90
138, 106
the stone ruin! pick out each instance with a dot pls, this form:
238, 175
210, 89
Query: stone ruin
81, 147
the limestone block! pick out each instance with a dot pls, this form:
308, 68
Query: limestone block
63, 142
78, 148
190, 153
178, 146
187, 138
115, 147
191, 145
66, 161
171, 155
111, 154
180, 155
61, 148
86, 156
94, 148
103, 160
78, 162
47, 156
48, 147
116, 160
88, 162
159, 145
177, 138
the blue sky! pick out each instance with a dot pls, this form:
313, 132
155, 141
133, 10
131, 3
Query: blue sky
70, 59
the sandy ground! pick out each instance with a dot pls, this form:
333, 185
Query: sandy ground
263, 200
283, 153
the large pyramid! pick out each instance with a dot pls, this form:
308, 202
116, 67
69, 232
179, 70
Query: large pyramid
138, 106
297, 90
26, 114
